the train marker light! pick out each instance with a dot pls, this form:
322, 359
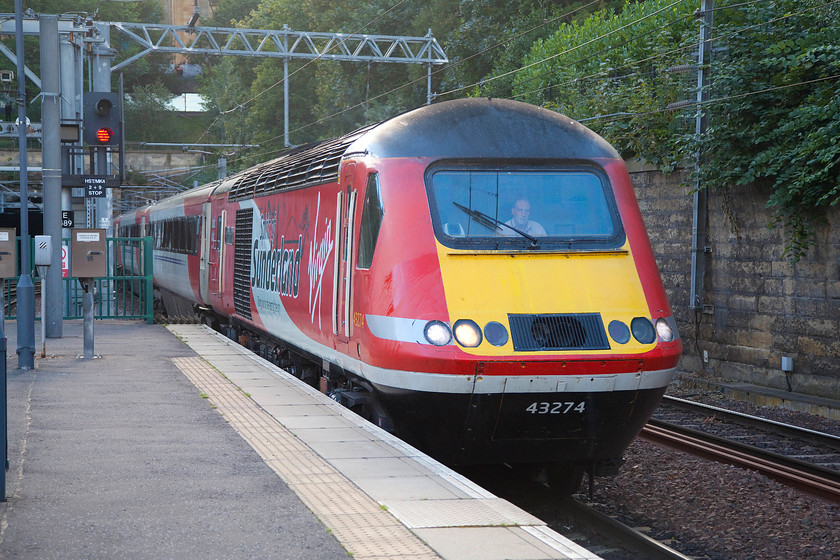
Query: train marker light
619, 332
643, 330
495, 333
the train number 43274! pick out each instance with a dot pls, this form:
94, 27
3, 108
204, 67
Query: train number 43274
555, 407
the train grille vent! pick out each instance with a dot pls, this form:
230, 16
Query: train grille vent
242, 262
570, 331
311, 164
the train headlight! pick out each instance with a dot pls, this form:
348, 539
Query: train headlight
467, 333
664, 330
437, 333
642, 330
619, 332
495, 333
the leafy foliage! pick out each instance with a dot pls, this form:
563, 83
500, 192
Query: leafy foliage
774, 113
494, 36
619, 67
777, 116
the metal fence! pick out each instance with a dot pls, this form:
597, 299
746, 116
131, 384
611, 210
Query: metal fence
126, 293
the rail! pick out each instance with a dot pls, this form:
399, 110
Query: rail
813, 436
816, 480
612, 529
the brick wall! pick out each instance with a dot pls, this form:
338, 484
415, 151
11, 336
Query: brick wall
757, 306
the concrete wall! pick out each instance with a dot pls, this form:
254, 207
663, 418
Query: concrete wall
758, 307
166, 163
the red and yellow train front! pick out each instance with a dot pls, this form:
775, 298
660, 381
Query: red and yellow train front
521, 317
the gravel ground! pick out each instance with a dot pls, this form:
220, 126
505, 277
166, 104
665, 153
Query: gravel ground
714, 511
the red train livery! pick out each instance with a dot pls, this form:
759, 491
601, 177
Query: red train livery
473, 275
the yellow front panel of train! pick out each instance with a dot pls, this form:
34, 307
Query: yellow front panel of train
488, 286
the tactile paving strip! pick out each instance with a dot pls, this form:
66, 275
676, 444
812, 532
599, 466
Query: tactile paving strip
358, 522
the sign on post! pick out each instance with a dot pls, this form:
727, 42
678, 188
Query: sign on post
94, 186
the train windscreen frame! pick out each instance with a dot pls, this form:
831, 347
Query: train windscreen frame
523, 207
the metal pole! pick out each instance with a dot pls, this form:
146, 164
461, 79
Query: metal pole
429, 73
148, 265
698, 225
429, 84
25, 288
4, 418
88, 286
51, 314
42, 272
286, 90
72, 71
101, 80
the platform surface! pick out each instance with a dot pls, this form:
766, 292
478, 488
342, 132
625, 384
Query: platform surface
183, 444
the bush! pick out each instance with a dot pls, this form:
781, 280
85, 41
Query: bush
616, 74
776, 118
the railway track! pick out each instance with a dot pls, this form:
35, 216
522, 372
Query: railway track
10, 296
801, 458
603, 534
635, 542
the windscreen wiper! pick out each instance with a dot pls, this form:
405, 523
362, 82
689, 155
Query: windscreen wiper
492, 223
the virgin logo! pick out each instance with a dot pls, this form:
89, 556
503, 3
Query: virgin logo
319, 256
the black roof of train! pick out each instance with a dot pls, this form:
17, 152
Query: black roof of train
459, 129
483, 128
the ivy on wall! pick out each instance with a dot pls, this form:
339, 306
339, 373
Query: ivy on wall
775, 119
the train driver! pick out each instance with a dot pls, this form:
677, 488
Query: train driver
520, 212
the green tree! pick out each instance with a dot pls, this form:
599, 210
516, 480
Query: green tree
775, 116
492, 37
148, 117
615, 73
326, 98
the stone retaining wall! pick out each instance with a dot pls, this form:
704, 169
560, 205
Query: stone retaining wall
757, 306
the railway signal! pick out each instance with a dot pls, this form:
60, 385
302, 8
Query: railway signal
102, 119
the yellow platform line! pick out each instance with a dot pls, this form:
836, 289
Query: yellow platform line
358, 522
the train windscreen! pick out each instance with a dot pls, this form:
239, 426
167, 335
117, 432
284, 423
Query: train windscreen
484, 207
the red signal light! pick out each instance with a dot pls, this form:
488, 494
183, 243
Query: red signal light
104, 134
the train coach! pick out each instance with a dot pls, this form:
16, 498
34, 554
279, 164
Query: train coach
473, 275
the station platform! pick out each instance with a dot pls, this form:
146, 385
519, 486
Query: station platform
175, 442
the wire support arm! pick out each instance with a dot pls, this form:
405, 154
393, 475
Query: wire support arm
280, 43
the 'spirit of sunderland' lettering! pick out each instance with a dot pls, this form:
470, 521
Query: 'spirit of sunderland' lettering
277, 270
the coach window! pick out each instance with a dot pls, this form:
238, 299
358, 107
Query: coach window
372, 214
166, 234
